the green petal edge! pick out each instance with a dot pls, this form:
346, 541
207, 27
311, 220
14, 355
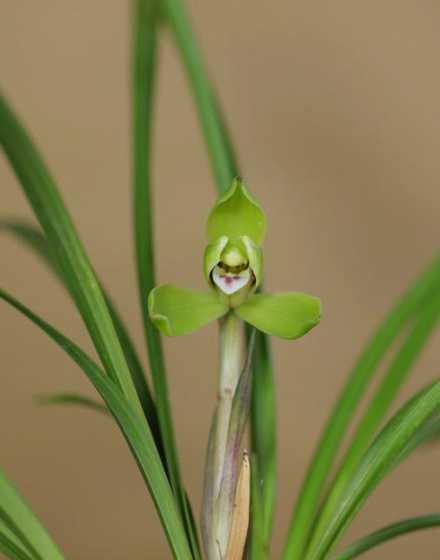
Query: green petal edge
212, 255
286, 315
237, 214
255, 256
176, 311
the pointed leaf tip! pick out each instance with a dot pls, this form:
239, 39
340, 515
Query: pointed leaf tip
237, 214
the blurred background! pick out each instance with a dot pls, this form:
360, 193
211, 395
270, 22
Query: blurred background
334, 108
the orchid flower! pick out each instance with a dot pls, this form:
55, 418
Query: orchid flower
233, 266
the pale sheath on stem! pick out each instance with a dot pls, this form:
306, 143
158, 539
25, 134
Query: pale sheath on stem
225, 512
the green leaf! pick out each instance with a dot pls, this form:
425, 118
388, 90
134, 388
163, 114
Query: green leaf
137, 373
11, 550
380, 404
146, 22
135, 430
428, 433
220, 150
12, 546
287, 315
23, 523
257, 542
263, 437
389, 532
235, 215
375, 465
428, 430
176, 311
346, 405
34, 239
72, 399
48, 206
209, 493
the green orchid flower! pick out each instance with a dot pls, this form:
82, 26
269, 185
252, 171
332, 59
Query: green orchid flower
233, 266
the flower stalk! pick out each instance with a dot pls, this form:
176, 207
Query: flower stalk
231, 352
224, 460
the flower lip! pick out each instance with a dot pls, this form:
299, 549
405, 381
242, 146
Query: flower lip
231, 281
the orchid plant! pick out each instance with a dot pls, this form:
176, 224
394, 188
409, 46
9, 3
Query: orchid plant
240, 476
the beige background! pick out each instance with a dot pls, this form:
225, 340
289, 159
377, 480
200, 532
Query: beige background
334, 108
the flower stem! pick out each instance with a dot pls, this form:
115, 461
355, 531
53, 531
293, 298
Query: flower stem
216, 522
231, 351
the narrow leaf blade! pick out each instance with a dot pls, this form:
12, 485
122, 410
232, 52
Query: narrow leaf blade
220, 149
257, 537
389, 532
376, 464
11, 544
381, 402
45, 199
263, 437
346, 404
71, 399
134, 428
143, 78
12, 549
23, 523
33, 238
